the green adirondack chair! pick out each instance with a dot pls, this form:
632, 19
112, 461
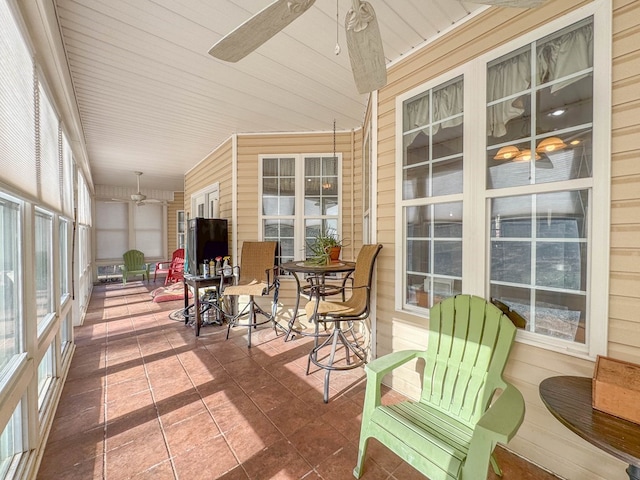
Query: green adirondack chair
451, 431
134, 264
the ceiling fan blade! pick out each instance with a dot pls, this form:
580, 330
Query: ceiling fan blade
365, 47
510, 3
258, 29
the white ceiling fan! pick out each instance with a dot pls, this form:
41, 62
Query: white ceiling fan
363, 36
510, 3
138, 197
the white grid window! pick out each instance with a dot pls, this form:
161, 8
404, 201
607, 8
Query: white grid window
300, 197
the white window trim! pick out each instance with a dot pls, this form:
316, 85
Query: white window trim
465, 72
299, 216
210, 194
475, 280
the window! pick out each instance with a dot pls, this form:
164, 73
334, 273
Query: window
300, 197
66, 328
432, 173
10, 281
180, 229
149, 232
45, 374
11, 442
44, 266
206, 202
112, 230
540, 111
63, 243
526, 228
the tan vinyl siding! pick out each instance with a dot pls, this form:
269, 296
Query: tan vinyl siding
542, 439
624, 294
216, 167
172, 222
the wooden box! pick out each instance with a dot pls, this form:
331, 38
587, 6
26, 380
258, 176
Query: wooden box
616, 388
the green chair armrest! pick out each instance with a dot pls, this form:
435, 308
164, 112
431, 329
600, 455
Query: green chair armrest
502, 420
385, 364
376, 370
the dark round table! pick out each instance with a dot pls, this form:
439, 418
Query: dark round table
317, 277
569, 399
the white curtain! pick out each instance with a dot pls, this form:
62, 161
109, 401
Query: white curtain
447, 101
567, 54
504, 79
556, 58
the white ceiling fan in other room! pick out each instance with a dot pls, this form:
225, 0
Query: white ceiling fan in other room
139, 198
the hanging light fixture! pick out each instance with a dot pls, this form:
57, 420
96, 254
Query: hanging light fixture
525, 156
508, 152
550, 144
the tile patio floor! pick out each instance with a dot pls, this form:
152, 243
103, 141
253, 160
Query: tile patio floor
145, 399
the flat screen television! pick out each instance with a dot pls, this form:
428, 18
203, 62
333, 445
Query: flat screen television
207, 238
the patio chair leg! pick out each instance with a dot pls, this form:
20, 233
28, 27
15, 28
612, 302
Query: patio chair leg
252, 320
332, 356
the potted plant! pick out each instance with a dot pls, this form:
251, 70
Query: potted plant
325, 248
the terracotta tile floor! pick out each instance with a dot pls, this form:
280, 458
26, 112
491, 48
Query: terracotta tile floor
145, 399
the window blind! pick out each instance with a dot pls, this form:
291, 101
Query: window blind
17, 112
84, 201
47, 156
112, 230
148, 229
66, 175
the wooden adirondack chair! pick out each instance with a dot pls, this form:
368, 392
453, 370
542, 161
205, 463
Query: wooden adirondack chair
134, 264
451, 431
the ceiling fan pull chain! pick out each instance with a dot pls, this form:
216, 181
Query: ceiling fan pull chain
337, 49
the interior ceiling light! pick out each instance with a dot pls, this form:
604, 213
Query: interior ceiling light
525, 156
507, 153
575, 142
557, 113
550, 144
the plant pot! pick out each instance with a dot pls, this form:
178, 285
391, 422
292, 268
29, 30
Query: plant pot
334, 253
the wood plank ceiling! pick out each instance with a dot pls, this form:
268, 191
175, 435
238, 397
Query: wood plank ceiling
152, 99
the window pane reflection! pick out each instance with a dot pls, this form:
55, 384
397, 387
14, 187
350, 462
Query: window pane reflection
44, 265
433, 126
540, 107
543, 270
10, 281
433, 251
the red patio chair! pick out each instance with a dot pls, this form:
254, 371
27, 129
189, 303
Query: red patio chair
174, 268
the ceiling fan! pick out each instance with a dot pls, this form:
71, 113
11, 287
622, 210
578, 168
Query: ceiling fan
364, 42
510, 3
363, 38
139, 198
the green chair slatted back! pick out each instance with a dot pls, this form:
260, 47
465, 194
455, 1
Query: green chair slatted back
134, 264
469, 342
